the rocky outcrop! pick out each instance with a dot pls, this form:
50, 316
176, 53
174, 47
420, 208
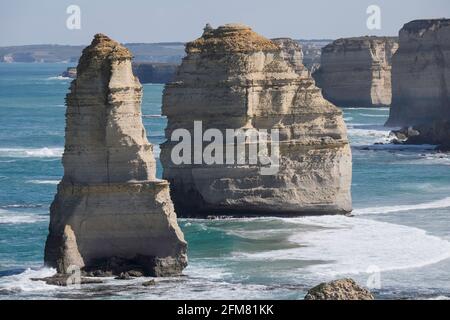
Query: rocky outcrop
233, 78
345, 289
70, 72
292, 53
110, 212
148, 72
356, 72
421, 81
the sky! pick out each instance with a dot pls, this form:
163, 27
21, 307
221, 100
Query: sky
44, 22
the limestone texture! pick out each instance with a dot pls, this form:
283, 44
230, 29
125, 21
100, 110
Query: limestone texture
356, 72
344, 289
421, 81
110, 212
233, 78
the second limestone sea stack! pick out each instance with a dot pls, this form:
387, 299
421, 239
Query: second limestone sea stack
233, 78
356, 72
110, 212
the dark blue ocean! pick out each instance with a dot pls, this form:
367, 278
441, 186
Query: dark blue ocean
397, 242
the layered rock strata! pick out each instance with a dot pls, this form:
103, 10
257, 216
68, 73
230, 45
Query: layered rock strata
356, 72
110, 212
233, 78
291, 51
421, 81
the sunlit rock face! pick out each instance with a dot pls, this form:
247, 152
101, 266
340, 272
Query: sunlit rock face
233, 78
421, 81
356, 72
110, 211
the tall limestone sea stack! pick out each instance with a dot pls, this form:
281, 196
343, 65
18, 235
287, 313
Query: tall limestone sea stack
356, 72
421, 82
233, 78
110, 212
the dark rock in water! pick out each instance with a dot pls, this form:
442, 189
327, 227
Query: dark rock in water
149, 283
135, 273
70, 73
124, 276
345, 289
149, 72
64, 280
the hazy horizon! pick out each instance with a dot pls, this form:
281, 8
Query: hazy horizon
32, 23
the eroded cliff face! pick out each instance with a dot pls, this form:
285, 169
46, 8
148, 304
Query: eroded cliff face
421, 81
356, 72
233, 78
292, 53
109, 205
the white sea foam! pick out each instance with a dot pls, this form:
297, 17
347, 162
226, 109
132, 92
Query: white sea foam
11, 217
59, 78
374, 115
156, 151
55, 182
150, 116
438, 204
31, 152
352, 245
22, 282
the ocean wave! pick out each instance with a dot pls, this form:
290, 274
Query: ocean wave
346, 245
372, 109
374, 115
22, 282
59, 78
11, 217
150, 116
55, 182
46, 152
438, 204
156, 151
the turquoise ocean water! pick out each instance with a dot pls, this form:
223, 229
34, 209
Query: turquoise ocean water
398, 240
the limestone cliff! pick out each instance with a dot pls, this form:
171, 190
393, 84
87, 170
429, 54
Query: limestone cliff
233, 78
356, 72
292, 52
421, 81
110, 211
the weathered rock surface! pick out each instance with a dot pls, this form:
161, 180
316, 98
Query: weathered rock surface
345, 289
110, 212
149, 72
291, 52
64, 280
356, 72
421, 81
233, 78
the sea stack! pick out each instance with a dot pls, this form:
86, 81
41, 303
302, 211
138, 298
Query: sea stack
110, 212
292, 52
233, 78
421, 81
356, 72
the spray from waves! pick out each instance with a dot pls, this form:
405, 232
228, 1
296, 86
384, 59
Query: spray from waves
31, 152
11, 217
357, 246
53, 182
22, 282
439, 204
156, 151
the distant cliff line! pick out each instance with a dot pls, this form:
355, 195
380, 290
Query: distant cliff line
162, 52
